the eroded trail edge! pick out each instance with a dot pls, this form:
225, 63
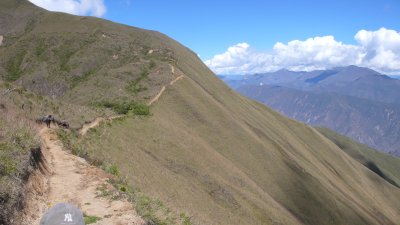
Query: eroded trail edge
70, 179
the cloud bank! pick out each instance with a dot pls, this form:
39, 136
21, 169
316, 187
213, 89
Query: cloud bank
378, 50
76, 7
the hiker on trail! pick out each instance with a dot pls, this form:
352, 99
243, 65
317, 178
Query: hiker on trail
48, 119
64, 124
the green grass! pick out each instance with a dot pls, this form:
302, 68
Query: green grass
185, 219
205, 150
13, 67
70, 142
112, 169
136, 108
8, 165
384, 165
150, 209
76, 80
91, 219
40, 47
64, 57
135, 86
17, 142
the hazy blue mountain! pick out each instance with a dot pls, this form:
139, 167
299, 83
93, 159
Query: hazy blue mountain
357, 102
351, 80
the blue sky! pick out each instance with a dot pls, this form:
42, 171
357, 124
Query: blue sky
234, 36
211, 26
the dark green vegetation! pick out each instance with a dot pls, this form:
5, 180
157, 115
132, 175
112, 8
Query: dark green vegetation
357, 102
91, 219
125, 107
204, 149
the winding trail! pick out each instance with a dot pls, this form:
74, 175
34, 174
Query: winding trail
63, 177
165, 87
71, 179
86, 127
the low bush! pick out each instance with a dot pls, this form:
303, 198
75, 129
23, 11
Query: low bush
91, 219
135, 108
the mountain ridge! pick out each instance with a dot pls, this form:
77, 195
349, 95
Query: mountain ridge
202, 148
357, 102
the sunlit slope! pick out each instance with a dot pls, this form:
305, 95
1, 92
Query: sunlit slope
228, 160
204, 150
389, 166
81, 59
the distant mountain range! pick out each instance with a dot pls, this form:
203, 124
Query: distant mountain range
357, 102
185, 148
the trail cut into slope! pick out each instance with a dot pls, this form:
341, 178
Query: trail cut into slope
165, 87
86, 127
71, 179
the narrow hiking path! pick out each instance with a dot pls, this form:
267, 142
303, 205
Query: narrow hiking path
86, 127
70, 179
165, 87
63, 177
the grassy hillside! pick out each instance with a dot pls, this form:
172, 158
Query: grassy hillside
17, 145
77, 58
204, 149
376, 124
388, 165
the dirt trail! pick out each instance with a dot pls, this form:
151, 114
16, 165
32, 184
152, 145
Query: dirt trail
165, 87
72, 180
86, 127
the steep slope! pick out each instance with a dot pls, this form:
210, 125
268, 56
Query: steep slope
226, 164
364, 104
76, 58
385, 165
376, 124
204, 149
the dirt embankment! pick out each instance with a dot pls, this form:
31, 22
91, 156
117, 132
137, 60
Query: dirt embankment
64, 177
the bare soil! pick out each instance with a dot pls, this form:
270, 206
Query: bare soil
67, 178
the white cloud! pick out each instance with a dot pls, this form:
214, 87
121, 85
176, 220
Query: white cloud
77, 7
379, 50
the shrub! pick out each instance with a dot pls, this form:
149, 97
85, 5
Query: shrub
185, 219
134, 85
13, 67
7, 166
136, 108
152, 64
91, 219
112, 169
140, 109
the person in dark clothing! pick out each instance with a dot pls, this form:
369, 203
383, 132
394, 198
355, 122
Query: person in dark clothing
48, 120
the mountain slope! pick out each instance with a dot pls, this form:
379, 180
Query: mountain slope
373, 123
357, 102
386, 165
204, 149
225, 165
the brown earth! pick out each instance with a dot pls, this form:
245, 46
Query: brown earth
64, 177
